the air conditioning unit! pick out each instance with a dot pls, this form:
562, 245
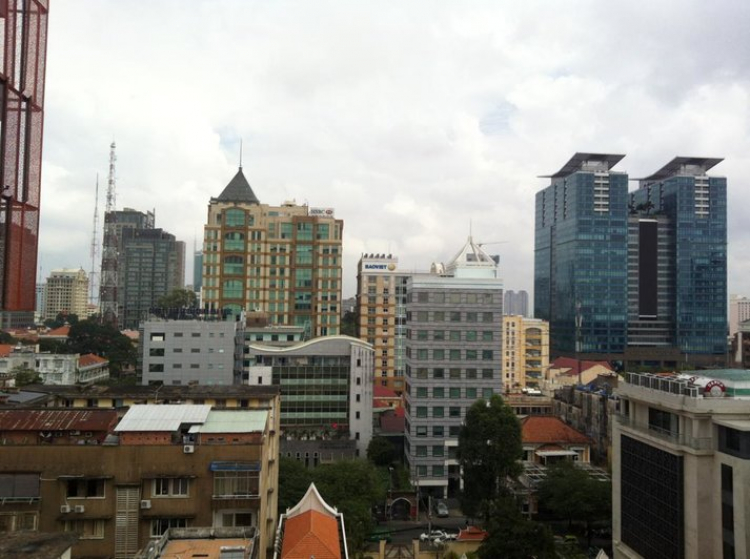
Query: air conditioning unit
145, 504
75, 433
188, 448
64, 509
79, 508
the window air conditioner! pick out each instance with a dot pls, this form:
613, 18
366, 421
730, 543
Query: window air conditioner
146, 504
188, 448
79, 508
64, 509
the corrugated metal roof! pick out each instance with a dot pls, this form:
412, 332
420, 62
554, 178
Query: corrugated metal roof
57, 420
150, 417
230, 421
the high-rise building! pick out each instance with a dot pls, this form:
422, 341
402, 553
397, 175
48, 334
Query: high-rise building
198, 273
681, 460
640, 277
150, 264
580, 261
454, 335
525, 352
67, 292
23, 34
739, 312
283, 260
381, 315
516, 303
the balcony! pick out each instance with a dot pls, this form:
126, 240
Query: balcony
702, 444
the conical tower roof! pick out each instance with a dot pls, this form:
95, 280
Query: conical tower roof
238, 190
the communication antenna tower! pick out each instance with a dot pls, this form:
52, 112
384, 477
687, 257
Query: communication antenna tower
108, 287
94, 247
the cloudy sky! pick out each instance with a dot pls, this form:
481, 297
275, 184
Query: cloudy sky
416, 120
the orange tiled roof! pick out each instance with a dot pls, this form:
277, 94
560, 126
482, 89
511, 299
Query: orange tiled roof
383, 392
61, 332
90, 359
471, 533
546, 429
311, 534
5, 349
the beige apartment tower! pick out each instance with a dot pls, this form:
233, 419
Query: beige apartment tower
67, 292
283, 261
525, 352
381, 296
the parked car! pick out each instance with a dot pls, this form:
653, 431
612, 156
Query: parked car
442, 510
380, 535
433, 535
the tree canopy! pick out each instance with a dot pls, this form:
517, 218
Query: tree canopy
380, 451
88, 336
511, 536
24, 375
489, 450
178, 299
572, 494
61, 319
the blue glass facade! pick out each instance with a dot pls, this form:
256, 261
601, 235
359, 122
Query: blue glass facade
580, 283
696, 208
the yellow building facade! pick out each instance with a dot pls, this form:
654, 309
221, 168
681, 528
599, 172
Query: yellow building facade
525, 352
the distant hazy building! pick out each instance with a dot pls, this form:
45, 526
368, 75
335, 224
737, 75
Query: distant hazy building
150, 264
198, 274
41, 301
516, 303
381, 311
454, 334
181, 352
739, 312
281, 260
66, 292
525, 352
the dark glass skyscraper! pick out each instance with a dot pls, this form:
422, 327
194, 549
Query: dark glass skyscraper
640, 277
580, 268
688, 241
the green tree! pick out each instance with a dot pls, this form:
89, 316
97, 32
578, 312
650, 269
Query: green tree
511, 536
61, 319
25, 375
349, 324
380, 451
489, 450
294, 479
570, 493
88, 336
6, 338
178, 299
354, 487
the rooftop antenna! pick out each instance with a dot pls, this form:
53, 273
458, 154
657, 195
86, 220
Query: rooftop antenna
108, 285
240, 153
94, 246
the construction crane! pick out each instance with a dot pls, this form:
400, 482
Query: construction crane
108, 286
94, 247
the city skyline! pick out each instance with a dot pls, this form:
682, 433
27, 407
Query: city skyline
417, 123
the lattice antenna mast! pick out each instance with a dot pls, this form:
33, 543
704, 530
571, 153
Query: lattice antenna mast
108, 288
94, 247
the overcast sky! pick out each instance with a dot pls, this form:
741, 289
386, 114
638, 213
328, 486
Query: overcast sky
414, 120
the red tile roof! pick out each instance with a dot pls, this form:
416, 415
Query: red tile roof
5, 349
383, 392
90, 359
576, 366
311, 534
546, 429
471, 533
57, 420
61, 332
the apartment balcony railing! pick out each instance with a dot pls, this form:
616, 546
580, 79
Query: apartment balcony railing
681, 439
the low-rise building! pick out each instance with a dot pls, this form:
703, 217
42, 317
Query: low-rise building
161, 467
525, 351
53, 368
567, 371
681, 464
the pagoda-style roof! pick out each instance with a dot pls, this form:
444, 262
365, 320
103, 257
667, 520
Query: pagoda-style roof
238, 190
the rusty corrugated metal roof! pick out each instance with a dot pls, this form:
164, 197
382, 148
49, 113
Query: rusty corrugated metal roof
57, 420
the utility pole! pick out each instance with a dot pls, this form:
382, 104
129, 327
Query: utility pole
108, 287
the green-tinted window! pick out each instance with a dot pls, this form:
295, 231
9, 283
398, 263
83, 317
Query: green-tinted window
471, 393
455, 354
234, 240
438, 354
286, 230
455, 391
471, 354
455, 316
455, 373
304, 231
303, 277
438, 316
486, 393
455, 336
488, 355
421, 411
422, 335
421, 392
487, 336
438, 450
438, 335
438, 411
438, 392
304, 254
438, 373
454, 430
471, 373
234, 265
438, 471
234, 218
323, 231
486, 373
471, 317
233, 289
454, 411
471, 336
421, 450
422, 354
422, 471
438, 431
